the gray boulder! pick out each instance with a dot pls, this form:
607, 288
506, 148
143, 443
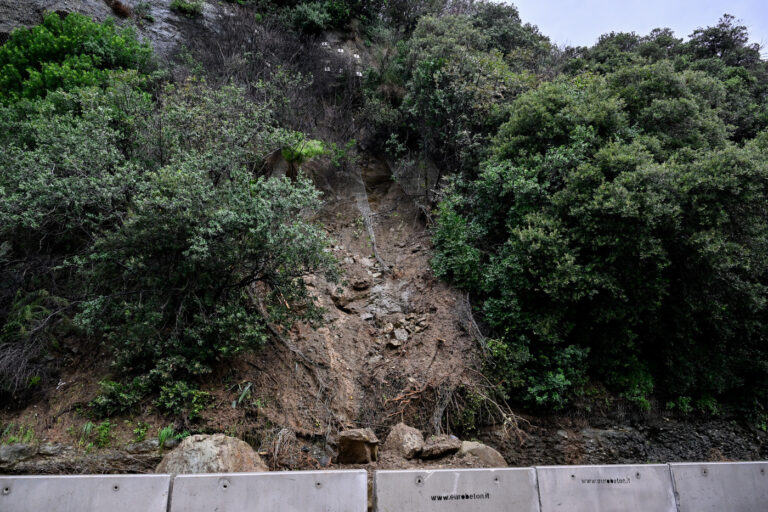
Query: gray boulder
487, 456
13, 453
212, 454
404, 440
440, 446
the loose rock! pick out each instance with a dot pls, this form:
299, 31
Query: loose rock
361, 284
404, 440
12, 453
440, 446
212, 454
484, 453
147, 446
51, 449
358, 446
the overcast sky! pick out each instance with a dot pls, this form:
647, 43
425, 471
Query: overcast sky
581, 22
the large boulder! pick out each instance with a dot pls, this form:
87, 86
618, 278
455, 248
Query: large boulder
212, 454
12, 453
404, 440
486, 455
440, 446
357, 446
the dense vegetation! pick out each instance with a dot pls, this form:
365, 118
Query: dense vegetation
616, 231
131, 212
605, 208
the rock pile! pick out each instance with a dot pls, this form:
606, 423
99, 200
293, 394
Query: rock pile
360, 446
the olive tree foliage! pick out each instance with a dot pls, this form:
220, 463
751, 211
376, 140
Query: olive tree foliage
208, 252
139, 220
443, 92
721, 52
616, 235
64, 53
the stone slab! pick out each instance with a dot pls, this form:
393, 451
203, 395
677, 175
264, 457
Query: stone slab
288, 491
619, 488
91, 493
445, 490
721, 486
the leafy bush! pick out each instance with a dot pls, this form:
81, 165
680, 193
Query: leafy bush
206, 252
68, 53
63, 179
182, 400
298, 152
606, 248
190, 8
442, 94
147, 210
164, 435
116, 397
311, 17
104, 434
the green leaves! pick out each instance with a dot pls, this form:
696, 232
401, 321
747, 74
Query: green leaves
179, 284
617, 236
148, 213
68, 53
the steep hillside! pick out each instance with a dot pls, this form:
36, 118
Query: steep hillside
395, 342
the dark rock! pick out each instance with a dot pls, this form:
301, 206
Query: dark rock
13, 453
361, 284
440, 446
358, 446
51, 450
143, 446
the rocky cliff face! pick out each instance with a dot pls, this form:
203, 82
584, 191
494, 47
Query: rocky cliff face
154, 19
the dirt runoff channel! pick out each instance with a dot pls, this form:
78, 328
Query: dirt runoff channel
391, 348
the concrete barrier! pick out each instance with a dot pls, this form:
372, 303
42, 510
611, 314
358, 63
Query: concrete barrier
689, 487
95, 493
489, 490
290, 491
606, 488
723, 486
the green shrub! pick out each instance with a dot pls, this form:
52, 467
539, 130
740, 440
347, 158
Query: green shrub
212, 249
339, 12
189, 8
140, 432
164, 435
180, 399
148, 210
68, 53
604, 251
116, 398
104, 434
310, 18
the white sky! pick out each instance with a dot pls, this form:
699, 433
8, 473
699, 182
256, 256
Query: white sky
581, 22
